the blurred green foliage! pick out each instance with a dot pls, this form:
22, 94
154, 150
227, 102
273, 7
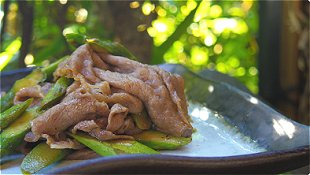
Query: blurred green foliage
218, 35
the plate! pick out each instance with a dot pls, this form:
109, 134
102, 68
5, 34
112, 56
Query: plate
236, 132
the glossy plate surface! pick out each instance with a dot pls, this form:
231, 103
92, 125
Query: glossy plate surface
236, 133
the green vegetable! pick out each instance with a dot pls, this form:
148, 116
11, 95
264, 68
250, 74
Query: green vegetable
7, 101
8, 116
109, 148
101, 148
110, 47
32, 79
75, 40
13, 136
49, 70
36, 76
106, 46
131, 147
56, 93
161, 141
42, 156
142, 120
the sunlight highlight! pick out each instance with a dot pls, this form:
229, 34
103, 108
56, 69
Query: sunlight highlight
284, 127
134, 5
159, 26
224, 23
29, 59
202, 113
63, 2
81, 15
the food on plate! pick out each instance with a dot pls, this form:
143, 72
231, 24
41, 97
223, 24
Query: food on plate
100, 99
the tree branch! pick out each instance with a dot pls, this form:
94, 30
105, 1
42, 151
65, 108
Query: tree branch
26, 9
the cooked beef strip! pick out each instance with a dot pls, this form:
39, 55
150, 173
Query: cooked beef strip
131, 102
162, 110
116, 117
81, 62
94, 130
157, 79
61, 144
75, 107
29, 92
128, 127
133, 86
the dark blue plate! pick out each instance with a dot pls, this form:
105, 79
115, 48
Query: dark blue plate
285, 143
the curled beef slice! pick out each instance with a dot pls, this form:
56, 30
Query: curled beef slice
81, 62
75, 107
29, 92
162, 110
94, 130
61, 144
131, 102
128, 127
155, 77
116, 117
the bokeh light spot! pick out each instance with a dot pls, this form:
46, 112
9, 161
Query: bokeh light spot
218, 48
29, 59
134, 5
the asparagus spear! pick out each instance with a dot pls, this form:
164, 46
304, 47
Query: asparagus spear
161, 141
108, 148
32, 79
42, 156
131, 147
105, 46
8, 116
36, 76
13, 136
56, 93
142, 120
101, 148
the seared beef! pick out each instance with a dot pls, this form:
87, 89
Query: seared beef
105, 90
29, 92
94, 130
75, 107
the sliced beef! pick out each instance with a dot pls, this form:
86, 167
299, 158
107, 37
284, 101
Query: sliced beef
163, 112
166, 88
75, 107
131, 102
61, 144
29, 92
128, 127
81, 63
116, 117
94, 130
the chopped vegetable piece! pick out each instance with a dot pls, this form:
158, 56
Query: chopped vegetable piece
142, 120
32, 79
56, 93
160, 141
75, 40
102, 148
49, 70
13, 136
110, 47
131, 147
7, 101
36, 76
10, 115
42, 156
